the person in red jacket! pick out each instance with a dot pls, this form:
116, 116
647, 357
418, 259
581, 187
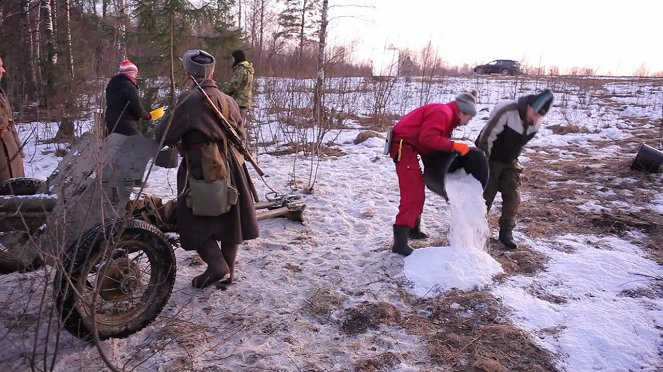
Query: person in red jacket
424, 130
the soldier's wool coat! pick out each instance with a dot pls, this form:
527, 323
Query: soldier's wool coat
194, 124
11, 154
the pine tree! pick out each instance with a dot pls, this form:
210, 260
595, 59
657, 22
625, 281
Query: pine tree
209, 26
300, 21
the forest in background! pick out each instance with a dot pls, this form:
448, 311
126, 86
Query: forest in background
54, 49
59, 54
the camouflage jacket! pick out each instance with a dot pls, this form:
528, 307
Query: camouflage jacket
240, 86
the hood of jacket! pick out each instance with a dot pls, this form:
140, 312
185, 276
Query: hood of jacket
118, 83
247, 65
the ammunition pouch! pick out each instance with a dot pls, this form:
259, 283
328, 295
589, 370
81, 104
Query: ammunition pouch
211, 199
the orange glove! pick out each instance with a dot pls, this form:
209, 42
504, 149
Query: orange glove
461, 148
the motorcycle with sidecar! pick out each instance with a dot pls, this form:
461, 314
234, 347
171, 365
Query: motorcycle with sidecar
114, 272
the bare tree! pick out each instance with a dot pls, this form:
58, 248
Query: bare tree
431, 65
27, 41
239, 11
51, 57
641, 71
260, 18
320, 73
67, 27
121, 28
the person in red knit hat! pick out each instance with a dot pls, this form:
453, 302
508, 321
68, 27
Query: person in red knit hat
424, 130
123, 106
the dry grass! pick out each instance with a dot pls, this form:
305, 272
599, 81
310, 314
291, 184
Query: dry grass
380, 122
555, 187
321, 151
468, 331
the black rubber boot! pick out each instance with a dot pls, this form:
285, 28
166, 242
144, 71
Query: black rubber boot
415, 232
400, 240
217, 268
506, 237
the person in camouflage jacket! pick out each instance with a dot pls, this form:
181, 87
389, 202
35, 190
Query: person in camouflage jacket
240, 86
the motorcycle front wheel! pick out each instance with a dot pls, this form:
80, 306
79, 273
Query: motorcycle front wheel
115, 281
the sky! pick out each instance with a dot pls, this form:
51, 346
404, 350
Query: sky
297, 281
606, 35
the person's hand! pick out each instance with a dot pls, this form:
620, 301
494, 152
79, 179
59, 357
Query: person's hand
157, 113
461, 148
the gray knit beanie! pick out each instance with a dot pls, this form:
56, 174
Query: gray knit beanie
198, 63
541, 102
467, 102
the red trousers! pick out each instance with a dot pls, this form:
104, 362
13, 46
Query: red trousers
410, 183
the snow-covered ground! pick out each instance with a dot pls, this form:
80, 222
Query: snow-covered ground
596, 304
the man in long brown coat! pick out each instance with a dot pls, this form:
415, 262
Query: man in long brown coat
11, 154
193, 126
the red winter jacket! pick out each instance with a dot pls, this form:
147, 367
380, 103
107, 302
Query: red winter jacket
428, 128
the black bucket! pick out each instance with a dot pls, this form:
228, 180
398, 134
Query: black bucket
166, 158
437, 165
647, 160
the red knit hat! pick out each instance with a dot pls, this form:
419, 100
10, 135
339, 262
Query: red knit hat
128, 68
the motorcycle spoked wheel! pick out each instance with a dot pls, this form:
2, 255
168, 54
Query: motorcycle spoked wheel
116, 281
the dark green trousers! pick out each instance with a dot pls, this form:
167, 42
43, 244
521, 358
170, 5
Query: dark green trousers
505, 178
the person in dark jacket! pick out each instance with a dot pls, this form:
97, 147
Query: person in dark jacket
421, 132
123, 106
11, 153
194, 126
510, 126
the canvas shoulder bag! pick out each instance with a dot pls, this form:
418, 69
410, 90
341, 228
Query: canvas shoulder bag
214, 195
211, 199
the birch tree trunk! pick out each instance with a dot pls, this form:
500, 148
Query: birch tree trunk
67, 27
320, 73
318, 95
239, 14
54, 20
121, 29
261, 31
37, 51
66, 128
51, 52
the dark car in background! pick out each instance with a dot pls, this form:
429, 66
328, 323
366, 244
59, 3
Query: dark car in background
499, 66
